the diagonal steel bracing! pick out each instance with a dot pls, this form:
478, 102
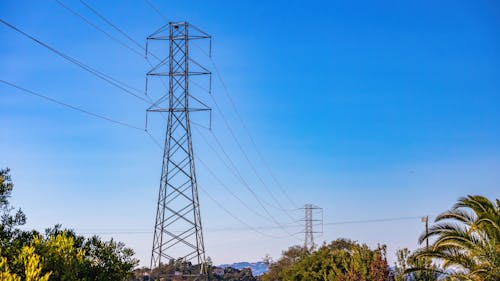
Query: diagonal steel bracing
178, 231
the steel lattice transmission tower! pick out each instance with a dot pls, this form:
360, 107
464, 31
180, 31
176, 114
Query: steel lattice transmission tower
309, 224
178, 233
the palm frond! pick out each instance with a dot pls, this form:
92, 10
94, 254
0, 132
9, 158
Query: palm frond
479, 204
457, 214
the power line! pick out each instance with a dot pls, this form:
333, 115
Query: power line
259, 153
212, 198
240, 220
234, 168
70, 106
131, 39
112, 37
73, 12
260, 201
215, 229
257, 198
136, 128
228, 126
148, 99
213, 174
116, 40
247, 158
156, 10
107, 79
109, 22
373, 220
252, 140
249, 227
121, 85
279, 207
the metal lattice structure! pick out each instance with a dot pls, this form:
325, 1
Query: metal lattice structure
178, 232
309, 224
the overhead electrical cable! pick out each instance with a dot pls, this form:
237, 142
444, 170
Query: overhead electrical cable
214, 175
247, 158
70, 106
121, 85
364, 221
117, 28
231, 167
114, 82
245, 154
156, 10
245, 127
131, 39
232, 194
116, 40
270, 217
221, 147
129, 89
240, 220
108, 119
373, 220
257, 198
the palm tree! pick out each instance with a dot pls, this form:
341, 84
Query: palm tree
466, 240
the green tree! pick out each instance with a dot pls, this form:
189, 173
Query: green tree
8, 221
107, 260
341, 260
5, 272
59, 255
288, 259
401, 265
404, 268
62, 258
88, 258
31, 264
466, 240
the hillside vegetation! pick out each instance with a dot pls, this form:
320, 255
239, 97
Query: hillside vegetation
464, 246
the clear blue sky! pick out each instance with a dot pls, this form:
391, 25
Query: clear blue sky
370, 110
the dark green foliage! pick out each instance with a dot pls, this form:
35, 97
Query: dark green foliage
427, 271
466, 240
65, 255
6, 187
8, 221
107, 260
341, 260
288, 259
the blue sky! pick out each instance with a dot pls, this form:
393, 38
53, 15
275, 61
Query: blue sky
369, 110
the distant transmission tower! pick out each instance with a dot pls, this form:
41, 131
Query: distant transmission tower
178, 234
309, 223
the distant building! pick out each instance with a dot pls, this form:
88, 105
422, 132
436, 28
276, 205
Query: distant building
218, 271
